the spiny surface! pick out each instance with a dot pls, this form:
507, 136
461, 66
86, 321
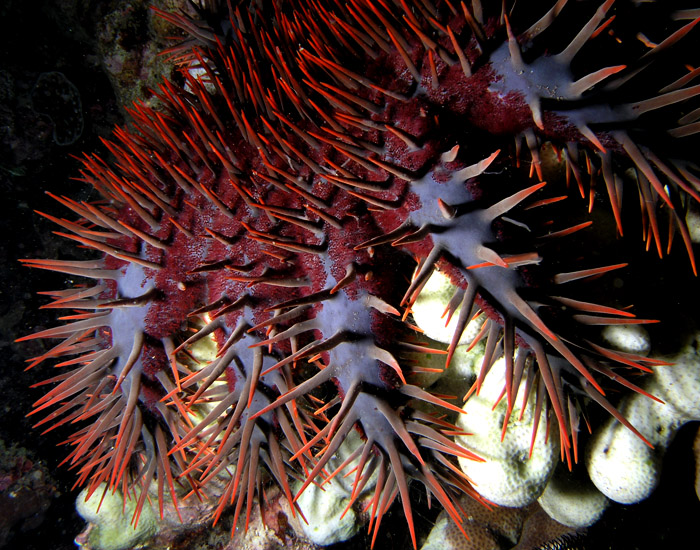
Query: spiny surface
290, 196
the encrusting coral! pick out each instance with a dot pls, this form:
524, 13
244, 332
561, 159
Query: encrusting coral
618, 466
497, 529
314, 164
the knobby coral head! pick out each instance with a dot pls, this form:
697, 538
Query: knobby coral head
266, 229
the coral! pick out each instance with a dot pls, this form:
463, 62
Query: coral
310, 168
111, 525
328, 518
189, 527
129, 39
622, 469
26, 491
572, 501
526, 528
517, 466
521, 462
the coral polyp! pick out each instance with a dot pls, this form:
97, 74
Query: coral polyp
286, 201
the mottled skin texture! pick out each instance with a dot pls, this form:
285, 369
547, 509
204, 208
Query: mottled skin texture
527, 528
278, 203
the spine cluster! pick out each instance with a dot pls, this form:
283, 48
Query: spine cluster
287, 200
